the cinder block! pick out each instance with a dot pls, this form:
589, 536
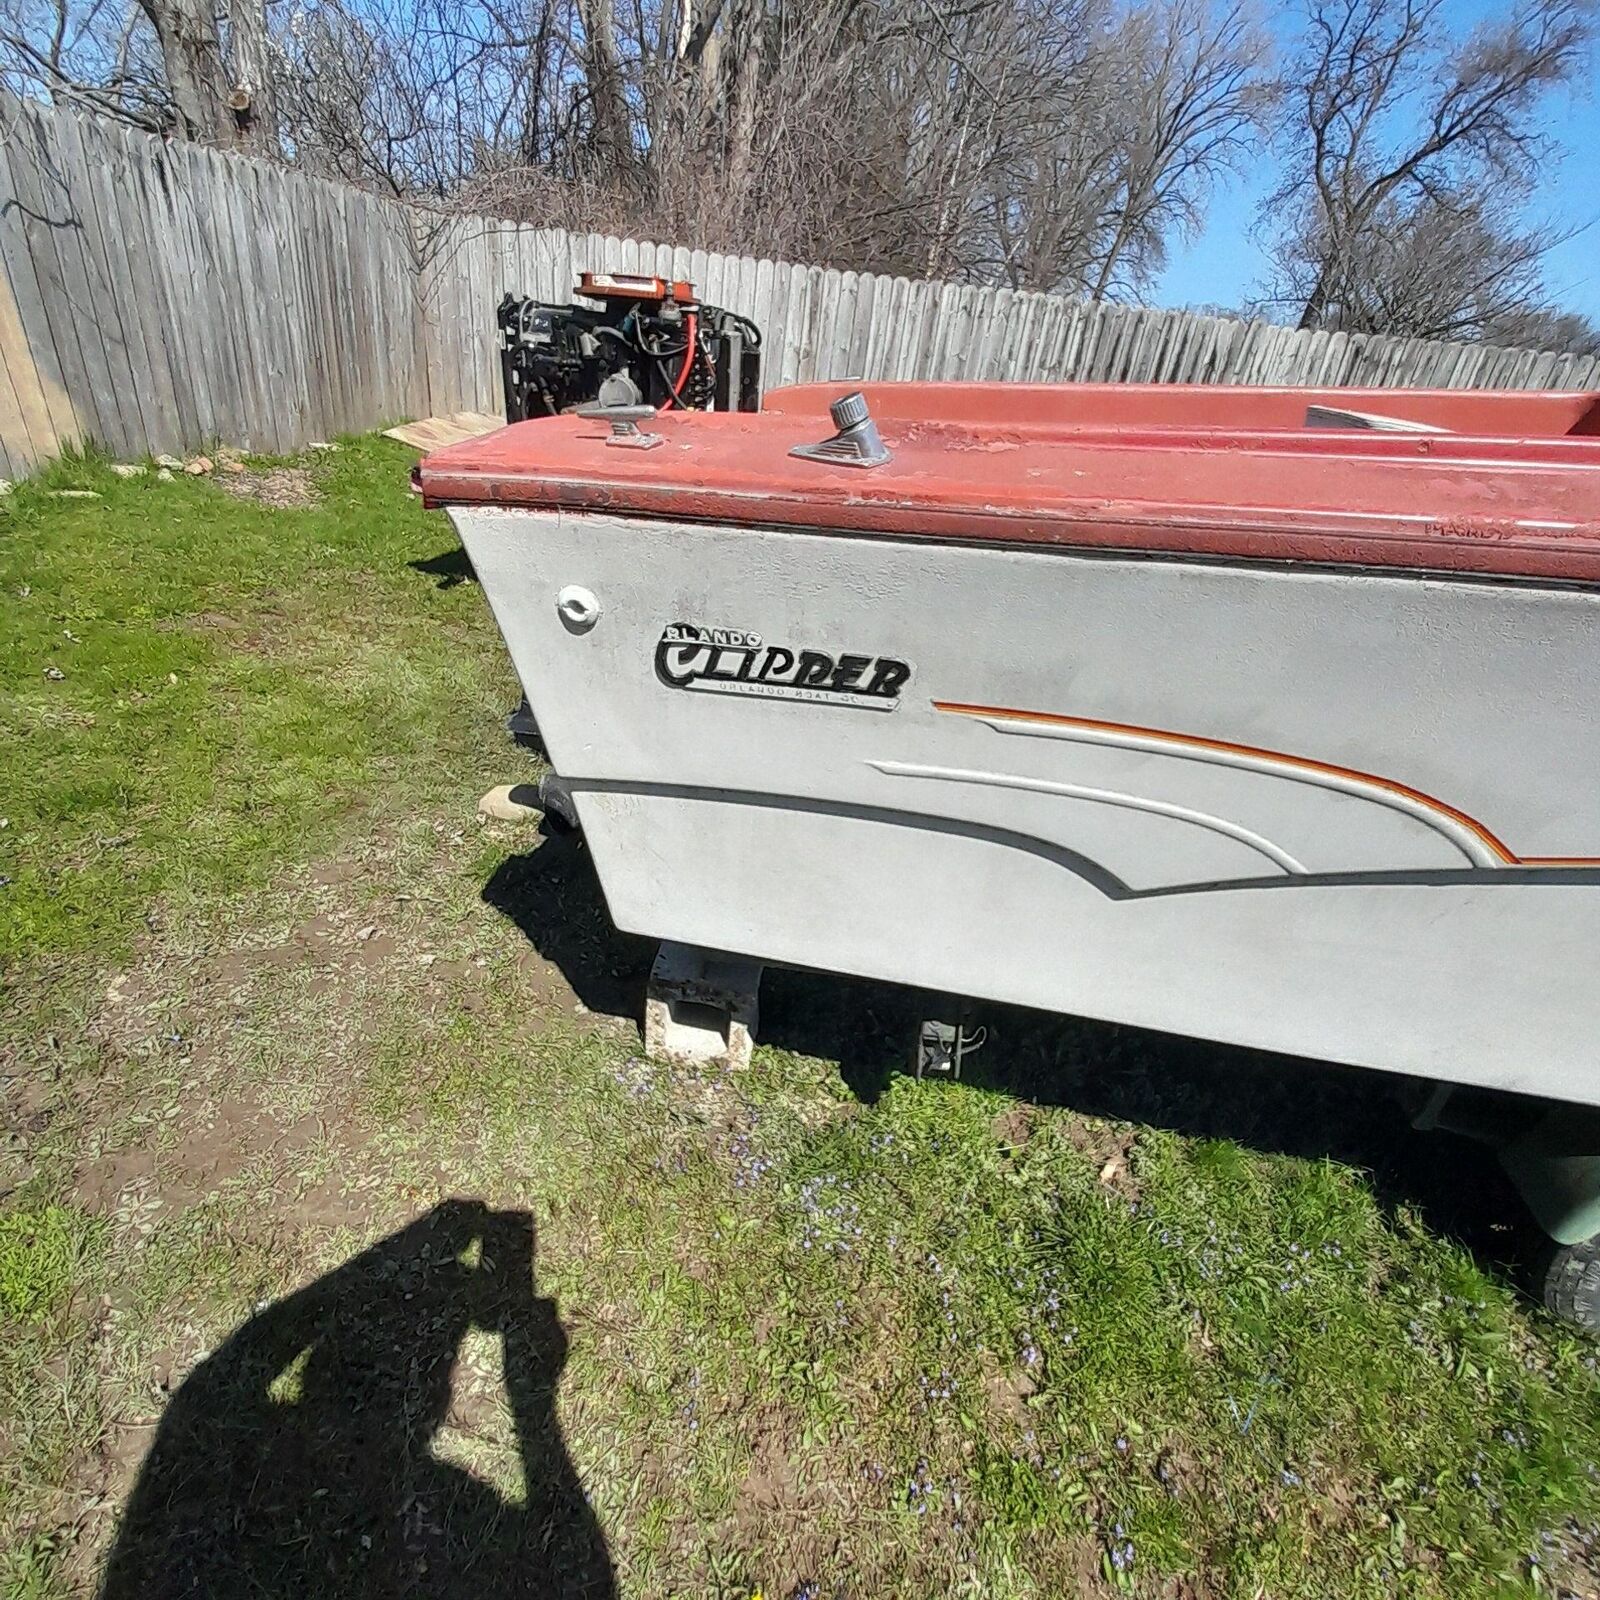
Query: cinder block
700, 1006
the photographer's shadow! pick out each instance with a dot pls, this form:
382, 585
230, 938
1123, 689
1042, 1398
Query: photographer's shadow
298, 1458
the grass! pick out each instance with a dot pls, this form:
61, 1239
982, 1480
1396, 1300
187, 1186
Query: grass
42, 1255
348, 1246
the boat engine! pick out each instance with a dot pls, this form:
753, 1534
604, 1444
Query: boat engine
646, 341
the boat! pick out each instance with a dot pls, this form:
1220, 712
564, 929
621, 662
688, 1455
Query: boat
1265, 716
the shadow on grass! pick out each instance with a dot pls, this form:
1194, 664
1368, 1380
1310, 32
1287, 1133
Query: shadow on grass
450, 567
297, 1460
1268, 1103
554, 898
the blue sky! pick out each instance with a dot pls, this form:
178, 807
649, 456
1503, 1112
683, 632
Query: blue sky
1226, 263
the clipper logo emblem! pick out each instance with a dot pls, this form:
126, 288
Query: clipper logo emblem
737, 661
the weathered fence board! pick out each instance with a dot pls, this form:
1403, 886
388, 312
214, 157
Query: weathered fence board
156, 296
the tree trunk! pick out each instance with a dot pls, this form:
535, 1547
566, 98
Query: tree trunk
255, 118
742, 136
1108, 266
1316, 306
613, 131
192, 56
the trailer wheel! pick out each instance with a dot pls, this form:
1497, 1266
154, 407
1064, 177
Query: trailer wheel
1570, 1284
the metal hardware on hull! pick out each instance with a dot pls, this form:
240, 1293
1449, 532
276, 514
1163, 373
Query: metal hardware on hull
624, 422
523, 729
857, 443
579, 608
942, 1046
555, 800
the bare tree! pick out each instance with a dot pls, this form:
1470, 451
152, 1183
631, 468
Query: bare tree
1043, 143
191, 54
164, 65
1126, 119
1410, 154
1540, 328
101, 57
1442, 266
251, 97
610, 123
1201, 93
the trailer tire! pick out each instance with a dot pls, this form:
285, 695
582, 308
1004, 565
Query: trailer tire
1570, 1283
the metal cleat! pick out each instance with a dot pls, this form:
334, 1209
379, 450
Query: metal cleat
624, 420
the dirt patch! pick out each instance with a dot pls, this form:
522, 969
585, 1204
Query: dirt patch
1179, 1473
774, 1507
27, 1102
1012, 1128
211, 1053
1111, 1149
101, 1183
329, 874
1007, 1393
221, 1145
772, 1501
546, 984
181, 1024
282, 488
769, 1484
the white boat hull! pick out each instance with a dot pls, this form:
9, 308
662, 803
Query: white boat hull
1341, 814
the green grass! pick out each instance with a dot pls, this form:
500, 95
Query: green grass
42, 1255
235, 679
302, 1066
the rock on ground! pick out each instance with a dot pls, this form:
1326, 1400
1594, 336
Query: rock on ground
511, 802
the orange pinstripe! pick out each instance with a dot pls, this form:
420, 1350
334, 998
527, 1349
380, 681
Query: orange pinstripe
1305, 763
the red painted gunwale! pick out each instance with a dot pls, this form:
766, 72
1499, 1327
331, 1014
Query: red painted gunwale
1513, 489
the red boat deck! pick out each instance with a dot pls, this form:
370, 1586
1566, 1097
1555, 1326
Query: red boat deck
1501, 483
1489, 413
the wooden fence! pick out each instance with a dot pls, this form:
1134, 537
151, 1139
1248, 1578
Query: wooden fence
156, 296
